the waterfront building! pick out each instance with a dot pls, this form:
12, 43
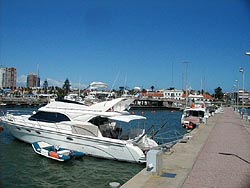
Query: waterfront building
33, 80
244, 96
200, 97
173, 94
152, 94
8, 78
195, 97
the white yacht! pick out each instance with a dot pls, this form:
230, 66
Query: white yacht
194, 115
93, 130
73, 97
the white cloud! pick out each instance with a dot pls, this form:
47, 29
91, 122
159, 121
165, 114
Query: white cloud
57, 83
52, 82
22, 81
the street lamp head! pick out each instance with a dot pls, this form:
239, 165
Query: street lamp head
241, 69
247, 53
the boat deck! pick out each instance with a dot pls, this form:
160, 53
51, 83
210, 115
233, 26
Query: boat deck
217, 155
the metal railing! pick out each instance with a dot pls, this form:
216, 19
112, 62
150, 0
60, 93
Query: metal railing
11, 115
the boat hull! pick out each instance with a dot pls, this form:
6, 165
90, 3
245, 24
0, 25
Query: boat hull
93, 146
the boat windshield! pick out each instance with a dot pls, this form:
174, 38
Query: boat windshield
117, 129
195, 113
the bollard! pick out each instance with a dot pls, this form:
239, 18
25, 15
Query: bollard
244, 117
248, 118
152, 160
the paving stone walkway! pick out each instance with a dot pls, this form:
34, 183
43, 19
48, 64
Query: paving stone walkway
224, 161
217, 156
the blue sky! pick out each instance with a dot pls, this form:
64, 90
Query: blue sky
129, 42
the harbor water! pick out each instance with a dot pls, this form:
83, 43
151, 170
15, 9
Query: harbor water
20, 167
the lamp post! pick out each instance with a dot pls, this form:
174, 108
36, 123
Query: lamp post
242, 108
186, 82
233, 96
237, 95
248, 54
243, 111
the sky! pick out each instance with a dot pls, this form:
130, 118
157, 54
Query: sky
133, 43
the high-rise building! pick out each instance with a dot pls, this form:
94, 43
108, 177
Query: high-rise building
2, 73
8, 78
33, 80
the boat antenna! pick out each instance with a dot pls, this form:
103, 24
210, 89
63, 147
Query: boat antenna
114, 82
125, 83
186, 79
172, 81
79, 90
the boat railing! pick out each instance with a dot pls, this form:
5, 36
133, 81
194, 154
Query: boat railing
168, 137
62, 126
81, 129
167, 143
12, 114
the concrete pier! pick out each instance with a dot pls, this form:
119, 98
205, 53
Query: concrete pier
216, 155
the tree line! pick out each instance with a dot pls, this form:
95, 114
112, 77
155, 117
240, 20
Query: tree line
66, 89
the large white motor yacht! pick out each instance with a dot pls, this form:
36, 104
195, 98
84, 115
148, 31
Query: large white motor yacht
93, 130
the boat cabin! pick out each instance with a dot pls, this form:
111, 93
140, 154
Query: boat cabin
195, 113
106, 126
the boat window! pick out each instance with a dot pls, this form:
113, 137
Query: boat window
196, 113
99, 120
50, 117
107, 128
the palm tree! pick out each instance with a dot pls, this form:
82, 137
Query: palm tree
66, 86
45, 86
152, 88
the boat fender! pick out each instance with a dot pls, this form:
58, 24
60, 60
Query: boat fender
190, 126
54, 154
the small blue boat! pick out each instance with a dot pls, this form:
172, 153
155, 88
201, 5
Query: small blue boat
53, 152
